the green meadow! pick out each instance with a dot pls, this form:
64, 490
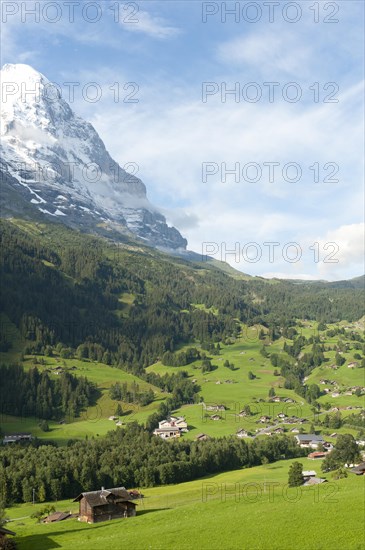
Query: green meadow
232, 388
242, 509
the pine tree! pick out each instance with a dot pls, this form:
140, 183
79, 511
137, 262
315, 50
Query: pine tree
295, 474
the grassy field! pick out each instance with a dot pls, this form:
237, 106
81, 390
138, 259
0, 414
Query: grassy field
243, 509
232, 388
95, 420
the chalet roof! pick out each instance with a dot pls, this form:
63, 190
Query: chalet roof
317, 454
309, 437
4, 531
57, 516
314, 481
99, 498
359, 469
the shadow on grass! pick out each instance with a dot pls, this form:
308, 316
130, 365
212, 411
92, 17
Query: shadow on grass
45, 541
40, 542
143, 512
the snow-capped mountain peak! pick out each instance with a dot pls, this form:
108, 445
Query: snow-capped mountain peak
57, 161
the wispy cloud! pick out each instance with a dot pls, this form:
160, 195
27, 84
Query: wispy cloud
267, 51
144, 22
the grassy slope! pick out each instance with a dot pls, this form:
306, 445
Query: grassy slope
243, 509
245, 354
95, 420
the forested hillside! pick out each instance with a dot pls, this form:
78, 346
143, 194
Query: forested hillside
130, 457
127, 306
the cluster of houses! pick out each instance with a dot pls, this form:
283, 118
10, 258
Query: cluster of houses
265, 419
171, 427
336, 391
278, 399
312, 441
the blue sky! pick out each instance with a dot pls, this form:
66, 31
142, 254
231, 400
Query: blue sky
182, 144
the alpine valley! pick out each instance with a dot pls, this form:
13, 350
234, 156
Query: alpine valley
230, 407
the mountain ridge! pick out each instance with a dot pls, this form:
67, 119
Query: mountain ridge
59, 165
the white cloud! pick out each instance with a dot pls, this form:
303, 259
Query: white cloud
153, 26
170, 137
346, 244
268, 50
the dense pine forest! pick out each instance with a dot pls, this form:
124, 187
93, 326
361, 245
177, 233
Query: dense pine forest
131, 457
34, 393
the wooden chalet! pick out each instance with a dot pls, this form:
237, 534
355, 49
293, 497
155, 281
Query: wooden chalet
106, 504
317, 454
359, 470
57, 516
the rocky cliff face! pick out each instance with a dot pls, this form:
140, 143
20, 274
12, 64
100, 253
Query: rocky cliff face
56, 163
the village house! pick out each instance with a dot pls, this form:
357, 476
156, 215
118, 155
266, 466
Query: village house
172, 427
15, 438
264, 419
309, 440
314, 481
359, 470
216, 417
202, 437
167, 432
242, 433
316, 454
309, 473
56, 516
214, 407
106, 504
174, 422
275, 399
